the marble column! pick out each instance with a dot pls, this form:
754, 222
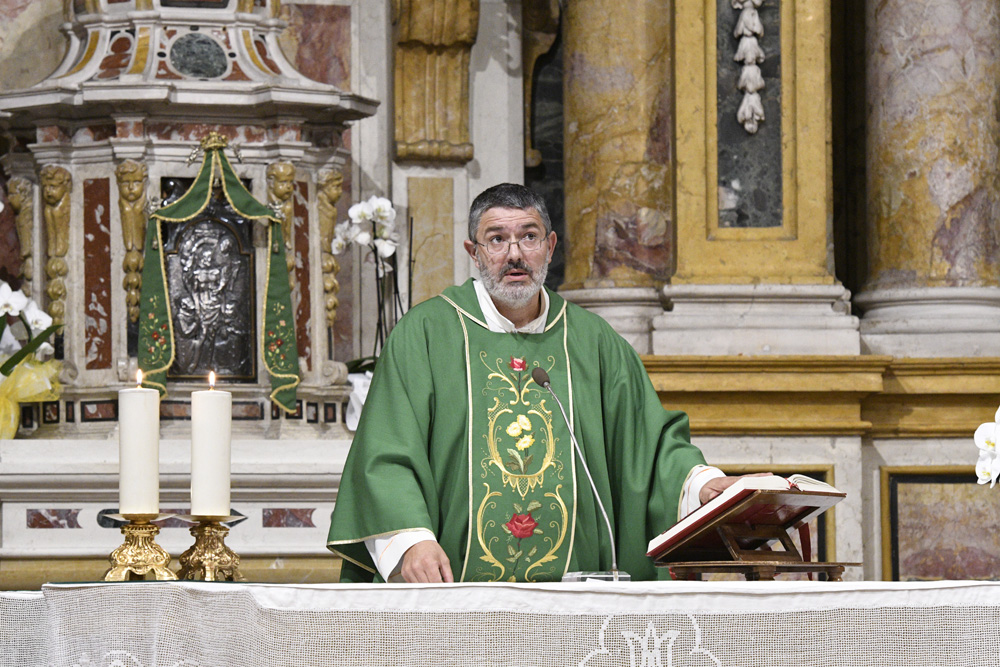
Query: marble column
618, 156
933, 189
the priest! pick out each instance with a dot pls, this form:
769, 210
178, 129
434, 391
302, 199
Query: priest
463, 468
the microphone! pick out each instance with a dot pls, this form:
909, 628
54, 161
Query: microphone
541, 378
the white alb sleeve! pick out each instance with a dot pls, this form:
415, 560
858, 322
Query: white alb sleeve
387, 552
691, 491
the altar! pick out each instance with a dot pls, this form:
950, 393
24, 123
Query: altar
142, 624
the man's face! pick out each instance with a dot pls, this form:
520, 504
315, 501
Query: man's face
516, 276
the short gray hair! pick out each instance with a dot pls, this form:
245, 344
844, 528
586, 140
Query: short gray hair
507, 195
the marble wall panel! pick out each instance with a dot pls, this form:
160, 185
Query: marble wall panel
429, 204
97, 272
943, 527
52, 518
302, 295
31, 44
318, 41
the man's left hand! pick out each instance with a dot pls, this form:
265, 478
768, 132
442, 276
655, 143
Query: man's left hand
714, 487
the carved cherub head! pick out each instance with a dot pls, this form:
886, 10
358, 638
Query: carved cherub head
331, 184
55, 183
281, 180
131, 180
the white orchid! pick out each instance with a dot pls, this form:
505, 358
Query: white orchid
37, 318
385, 248
11, 302
338, 245
382, 210
360, 212
988, 465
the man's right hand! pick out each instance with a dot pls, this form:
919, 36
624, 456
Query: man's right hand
426, 563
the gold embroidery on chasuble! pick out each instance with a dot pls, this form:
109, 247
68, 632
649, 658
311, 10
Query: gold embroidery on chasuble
522, 481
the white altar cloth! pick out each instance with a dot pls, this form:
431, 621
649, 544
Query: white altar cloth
591, 624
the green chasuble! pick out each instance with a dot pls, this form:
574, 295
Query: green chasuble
456, 437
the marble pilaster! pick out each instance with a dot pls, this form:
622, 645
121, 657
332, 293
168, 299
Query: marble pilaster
754, 267
933, 190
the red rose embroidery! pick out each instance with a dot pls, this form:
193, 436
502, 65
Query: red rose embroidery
518, 364
522, 525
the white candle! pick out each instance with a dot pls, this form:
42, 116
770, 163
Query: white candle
211, 436
138, 450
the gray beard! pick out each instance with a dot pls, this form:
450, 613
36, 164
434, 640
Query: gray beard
512, 296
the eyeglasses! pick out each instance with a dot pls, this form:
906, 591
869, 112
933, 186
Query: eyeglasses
498, 245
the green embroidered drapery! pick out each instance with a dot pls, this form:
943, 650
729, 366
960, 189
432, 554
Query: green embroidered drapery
156, 350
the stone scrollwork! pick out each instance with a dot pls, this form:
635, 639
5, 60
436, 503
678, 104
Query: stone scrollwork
131, 178
748, 52
280, 188
56, 186
330, 188
20, 196
541, 26
434, 39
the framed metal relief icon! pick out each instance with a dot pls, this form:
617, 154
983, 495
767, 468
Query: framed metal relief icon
210, 271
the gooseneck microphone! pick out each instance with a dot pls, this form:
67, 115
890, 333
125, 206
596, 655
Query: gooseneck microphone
541, 378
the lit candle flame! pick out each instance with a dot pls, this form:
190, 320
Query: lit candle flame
211, 379
138, 379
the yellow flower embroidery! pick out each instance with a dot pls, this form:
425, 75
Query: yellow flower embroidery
514, 430
524, 422
525, 442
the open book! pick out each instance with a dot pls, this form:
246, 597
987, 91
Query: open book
786, 502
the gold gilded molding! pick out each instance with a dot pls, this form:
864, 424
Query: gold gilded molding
434, 39
19, 194
947, 397
330, 187
796, 252
57, 184
867, 395
806, 395
131, 178
540, 25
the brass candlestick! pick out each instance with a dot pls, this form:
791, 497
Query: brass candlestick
209, 559
140, 555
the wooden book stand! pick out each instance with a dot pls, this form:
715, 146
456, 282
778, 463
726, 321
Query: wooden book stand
738, 539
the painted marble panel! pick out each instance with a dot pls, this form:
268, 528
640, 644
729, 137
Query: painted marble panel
243, 134
318, 41
10, 247
280, 517
943, 527
98, 411
52, 518
302, 293
97, 272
